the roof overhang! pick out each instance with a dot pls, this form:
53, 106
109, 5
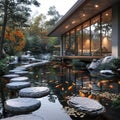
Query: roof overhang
81, 11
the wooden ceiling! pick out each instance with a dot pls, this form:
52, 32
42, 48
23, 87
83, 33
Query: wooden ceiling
81, 11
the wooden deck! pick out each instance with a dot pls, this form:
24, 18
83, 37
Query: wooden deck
85, 58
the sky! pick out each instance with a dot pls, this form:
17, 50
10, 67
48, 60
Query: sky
62, 6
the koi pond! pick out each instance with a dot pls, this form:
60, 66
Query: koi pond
65, 81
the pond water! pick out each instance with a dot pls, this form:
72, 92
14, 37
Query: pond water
65, 81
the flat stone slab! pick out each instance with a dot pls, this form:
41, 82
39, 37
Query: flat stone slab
21, 72
90, 106
14, 70
10, 76
19, 79
24, 117
18, 85
20, 68
35, 92
22, 105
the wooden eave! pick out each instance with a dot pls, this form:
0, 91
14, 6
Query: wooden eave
81, 11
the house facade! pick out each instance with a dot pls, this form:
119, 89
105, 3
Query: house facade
90, 28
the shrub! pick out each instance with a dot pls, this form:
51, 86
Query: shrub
3, 66
106, 66
78, 64
116, 62
116, 103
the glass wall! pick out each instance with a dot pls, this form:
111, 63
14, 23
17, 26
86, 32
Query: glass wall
106, 32
95, 36
79, 40
73, 41
86, 38
92, 38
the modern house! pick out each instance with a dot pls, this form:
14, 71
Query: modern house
91, 28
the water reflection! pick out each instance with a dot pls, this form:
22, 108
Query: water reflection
64, 81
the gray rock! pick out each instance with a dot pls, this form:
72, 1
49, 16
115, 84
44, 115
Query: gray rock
107, 72
94, 64
107, 59
22, 105
34, 92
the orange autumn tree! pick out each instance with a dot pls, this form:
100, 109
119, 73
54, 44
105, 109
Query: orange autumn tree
15, 40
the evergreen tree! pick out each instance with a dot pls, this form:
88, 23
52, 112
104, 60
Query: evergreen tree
14, 13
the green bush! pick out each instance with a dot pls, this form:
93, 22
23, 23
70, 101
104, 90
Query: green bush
106, 66
116, 103
3, 66
116, 62
78, 64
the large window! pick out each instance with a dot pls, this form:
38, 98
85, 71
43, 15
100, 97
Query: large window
106, 32
73, 41
95, 36
92, 37
86, 38
79, 40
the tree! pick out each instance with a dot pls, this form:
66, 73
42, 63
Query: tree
55, 16
14, 41
14, 13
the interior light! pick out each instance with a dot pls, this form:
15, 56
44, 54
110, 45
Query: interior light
96, 6
83, 15
73, 22
106, 14
67, 26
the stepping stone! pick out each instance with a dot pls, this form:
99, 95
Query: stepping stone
10, 76
24, 117
14, 70
22, 105
21, 72
35, 92
18, 85
19, 79
87, 105
20, 68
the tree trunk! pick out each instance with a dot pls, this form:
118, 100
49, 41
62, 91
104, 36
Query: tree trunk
3, 28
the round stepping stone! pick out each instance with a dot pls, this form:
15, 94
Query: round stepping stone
19, 79
20, 68
14, 70
22, 105
17, 85
24, 117
21, 72
34, 92
90, 106
10, 76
